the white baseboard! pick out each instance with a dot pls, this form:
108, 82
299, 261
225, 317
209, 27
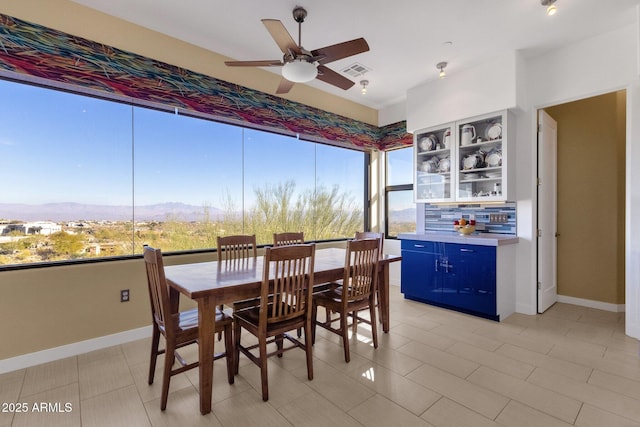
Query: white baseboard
617, 308
74, 349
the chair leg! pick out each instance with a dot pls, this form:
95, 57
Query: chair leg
280, 344
169, 359
263, 368
221, 306
354, 325
378, 304
155, 342
344, 329
374, 323
229, 351
237, 331
308, 348
314, 320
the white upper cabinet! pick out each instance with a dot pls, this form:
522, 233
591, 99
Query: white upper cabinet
466, 161
434, 164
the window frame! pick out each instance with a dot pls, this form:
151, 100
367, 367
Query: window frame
138, 103
390, 189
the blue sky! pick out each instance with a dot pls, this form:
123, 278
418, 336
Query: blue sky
399, 172
60, 147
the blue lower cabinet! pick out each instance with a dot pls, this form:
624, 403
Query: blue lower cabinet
476, 278
420, 280
461, 277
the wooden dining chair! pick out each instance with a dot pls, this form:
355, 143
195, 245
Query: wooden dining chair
285, 239
356, 292
380, 236
179, 329
288, 238
371, 235
231, 248
234, 251
285, 305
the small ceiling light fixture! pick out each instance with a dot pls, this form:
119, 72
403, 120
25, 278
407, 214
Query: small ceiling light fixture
551, 7
364, 84
441, 66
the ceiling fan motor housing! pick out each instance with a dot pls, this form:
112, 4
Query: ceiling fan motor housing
299, 13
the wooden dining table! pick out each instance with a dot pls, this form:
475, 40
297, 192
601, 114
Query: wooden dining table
213, 283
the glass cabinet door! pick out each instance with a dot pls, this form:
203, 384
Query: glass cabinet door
434, 164
481, 171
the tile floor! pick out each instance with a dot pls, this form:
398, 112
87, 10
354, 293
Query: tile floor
570, 366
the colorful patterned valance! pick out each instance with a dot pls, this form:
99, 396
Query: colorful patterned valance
37, 51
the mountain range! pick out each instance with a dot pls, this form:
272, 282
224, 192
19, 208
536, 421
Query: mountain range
63, 212
403, 215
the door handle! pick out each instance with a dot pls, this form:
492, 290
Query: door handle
557, 234
466, 250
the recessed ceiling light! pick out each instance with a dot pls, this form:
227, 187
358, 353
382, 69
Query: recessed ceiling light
364, 84
551, 7
441, 66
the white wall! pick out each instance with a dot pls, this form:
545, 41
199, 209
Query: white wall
483, 89
632, 276
392, 114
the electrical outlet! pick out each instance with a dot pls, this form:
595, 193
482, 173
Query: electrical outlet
498, 218
124, 295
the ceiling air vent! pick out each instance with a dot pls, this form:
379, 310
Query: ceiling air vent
355, 70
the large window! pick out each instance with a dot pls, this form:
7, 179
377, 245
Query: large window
400, 207
86, 177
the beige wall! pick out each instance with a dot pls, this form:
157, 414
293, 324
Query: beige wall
70, 17
44, 308
591, 197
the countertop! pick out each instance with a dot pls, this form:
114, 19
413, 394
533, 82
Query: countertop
482, 239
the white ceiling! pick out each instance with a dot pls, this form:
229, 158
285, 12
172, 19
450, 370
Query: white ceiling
407, 37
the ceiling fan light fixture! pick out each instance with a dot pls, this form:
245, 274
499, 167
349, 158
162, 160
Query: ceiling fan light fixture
299, 71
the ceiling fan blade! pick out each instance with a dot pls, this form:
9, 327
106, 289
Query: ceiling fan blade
281, 36
284, 86
327, 75
266, 63
341, 50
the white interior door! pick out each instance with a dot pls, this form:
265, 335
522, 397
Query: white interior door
547, 211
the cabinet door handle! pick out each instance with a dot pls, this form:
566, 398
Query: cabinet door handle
466, 250
436, 265
418, 246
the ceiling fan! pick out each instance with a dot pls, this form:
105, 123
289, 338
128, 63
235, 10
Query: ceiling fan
300, 65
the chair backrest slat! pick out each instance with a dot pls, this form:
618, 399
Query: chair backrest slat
288, 238
158, 289
231, 248
372, 235
287, 282
361, 267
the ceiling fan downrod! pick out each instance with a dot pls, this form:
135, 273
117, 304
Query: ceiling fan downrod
299, 13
